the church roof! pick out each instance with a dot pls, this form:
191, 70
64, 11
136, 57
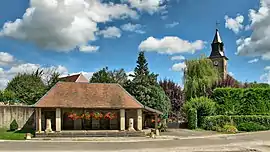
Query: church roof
217, 38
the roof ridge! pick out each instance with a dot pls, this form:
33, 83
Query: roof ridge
130, 95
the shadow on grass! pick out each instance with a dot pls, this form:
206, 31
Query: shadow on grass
32, 131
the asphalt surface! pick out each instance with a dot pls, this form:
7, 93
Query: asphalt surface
239, 142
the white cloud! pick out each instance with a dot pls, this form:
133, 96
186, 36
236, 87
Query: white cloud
6, 75
171, 25
234, 24
130, 73
180, 57
257, 44
253, 60
6, 59
231, 73
150, 6
63, 25
267, 68
88, 48
266, 76
179, 66
133, 28
170, 45
111, 32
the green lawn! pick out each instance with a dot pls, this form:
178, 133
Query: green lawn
11, 135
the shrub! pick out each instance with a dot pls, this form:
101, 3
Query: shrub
240, 101
259, 119
13, 126
192, 118
230, 129
203, 105
217, 128
251, 126
209, 122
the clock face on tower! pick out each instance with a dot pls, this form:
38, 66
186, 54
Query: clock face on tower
216, 63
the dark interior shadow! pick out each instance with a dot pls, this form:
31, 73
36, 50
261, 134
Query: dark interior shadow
29, 126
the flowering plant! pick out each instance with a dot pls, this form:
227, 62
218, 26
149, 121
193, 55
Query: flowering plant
110, 115
97, 115
73, 116
87, 116
153, 120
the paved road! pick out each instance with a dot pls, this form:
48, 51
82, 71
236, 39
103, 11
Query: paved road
240, 142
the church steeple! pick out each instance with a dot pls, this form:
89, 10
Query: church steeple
217, 47
218, 56
217, 38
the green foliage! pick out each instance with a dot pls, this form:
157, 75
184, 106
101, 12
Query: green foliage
199, 76
239, 101
142, 66
175, 94
28, 88
203, 105
258, 85
102, 76
53, 79
251, 126
209, 122
230, 129
145, 88
192, 118
13, 125
106, 76
7, 96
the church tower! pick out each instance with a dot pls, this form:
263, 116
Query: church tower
218, 56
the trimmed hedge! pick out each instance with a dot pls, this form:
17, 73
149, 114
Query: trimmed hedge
210, 122
192, 118
239, 101
251, 126
203, 105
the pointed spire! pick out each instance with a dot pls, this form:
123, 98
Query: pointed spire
217, 38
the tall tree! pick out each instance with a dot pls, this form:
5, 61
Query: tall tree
145, 88
102, 76
106, 76
28, 88
54, 78
50, 77
176, 95
7, 97
224, 83
142, 65
119, 76
199, 75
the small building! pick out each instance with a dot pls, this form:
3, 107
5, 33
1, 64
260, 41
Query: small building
90, 106
74, 78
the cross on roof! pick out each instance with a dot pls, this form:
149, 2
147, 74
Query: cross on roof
217, 24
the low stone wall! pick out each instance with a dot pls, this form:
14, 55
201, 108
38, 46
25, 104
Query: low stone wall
24, 115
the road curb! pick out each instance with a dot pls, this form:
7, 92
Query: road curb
127, 139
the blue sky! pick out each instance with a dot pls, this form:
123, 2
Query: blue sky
47, 38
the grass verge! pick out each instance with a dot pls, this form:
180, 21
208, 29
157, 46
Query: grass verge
12, 135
